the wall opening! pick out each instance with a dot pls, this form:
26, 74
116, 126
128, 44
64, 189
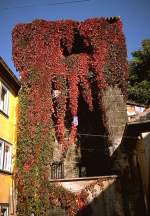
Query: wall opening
78, 46
94, 159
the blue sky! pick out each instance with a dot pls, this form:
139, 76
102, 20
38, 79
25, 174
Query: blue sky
135, 15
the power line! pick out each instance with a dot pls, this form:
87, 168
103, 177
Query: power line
46, 4
95, 135
101, 135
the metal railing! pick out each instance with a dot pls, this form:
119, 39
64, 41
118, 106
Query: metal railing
57, 170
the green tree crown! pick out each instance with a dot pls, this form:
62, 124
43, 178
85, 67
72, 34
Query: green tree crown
139, 74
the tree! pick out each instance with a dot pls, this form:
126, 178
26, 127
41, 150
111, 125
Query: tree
139, 74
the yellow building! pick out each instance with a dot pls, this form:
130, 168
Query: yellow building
9, 87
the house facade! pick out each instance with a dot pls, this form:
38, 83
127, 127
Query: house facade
9, 86
133, 109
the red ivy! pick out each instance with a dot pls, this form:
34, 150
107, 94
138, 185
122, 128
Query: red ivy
68, 56
46, 48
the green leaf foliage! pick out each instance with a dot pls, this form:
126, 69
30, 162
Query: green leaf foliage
139, 74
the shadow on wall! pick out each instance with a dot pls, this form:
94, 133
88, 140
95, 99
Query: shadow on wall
123, 197
126, 196
146, 140
108, 202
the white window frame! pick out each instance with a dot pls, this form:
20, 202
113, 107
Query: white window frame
4, 105
6, 207
1, 154
5, 156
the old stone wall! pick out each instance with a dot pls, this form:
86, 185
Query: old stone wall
70, 160
114, 116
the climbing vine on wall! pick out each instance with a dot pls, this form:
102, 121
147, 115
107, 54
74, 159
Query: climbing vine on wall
58, 61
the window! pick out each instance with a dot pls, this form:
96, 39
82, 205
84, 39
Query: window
4, 99
57, 170
4, 210
5, 156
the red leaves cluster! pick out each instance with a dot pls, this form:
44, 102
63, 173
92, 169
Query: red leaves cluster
69, 57
28, 165
75, 202
71, 202
40, 46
